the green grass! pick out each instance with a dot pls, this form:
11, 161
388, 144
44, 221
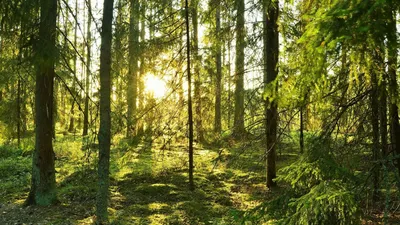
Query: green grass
148, 185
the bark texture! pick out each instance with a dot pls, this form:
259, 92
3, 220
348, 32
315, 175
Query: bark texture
43, 189
105, 117
271, 56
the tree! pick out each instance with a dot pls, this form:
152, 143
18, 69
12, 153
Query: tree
105, 117
374, 96
197, 76
88, 63
133, 67
238, 128
190, 109
43, 187
271, 57
218, 78
393, 86
74, 75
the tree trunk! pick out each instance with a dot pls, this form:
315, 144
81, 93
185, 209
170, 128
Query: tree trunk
43, 189
105, 116
393, 87
301, 129
197, 77
217, 121
190, 110
238, 129
19, 112
375, 131
383, 115
142, 61
88, 63
72, 112
271, 53
55, 107
133, 68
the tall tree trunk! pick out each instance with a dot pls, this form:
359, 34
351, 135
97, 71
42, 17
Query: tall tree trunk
190, 110
72, 111
238, 129
88, 64
19, 112
119, 56
197, 77
375, 130
271, 56
105, 117
133, 67
43, 189
229, 78
142, 61
217, 121
393, 87
55, 107
383, 115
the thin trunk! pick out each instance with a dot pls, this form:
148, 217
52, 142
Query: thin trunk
72, 111
133, 68
142, 61
301, 130
196, 65
229, 81
24, 120
375, 131
71, 120
190, 111
55, 107
271, 53
217, 122
393, 87
43, 189
383, 116
88, 63
105, 114
238, 129
19, 112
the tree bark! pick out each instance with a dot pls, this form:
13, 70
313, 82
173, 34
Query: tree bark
190, 110
133, 68
19, 112
393, 87
218, 78
72, 111
375, 130
238, 129
105, 117
43, 188
383, 115
88, 64
271, 57
301, 129
142, 61
197, 77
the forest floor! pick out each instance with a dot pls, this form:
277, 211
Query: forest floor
149, 183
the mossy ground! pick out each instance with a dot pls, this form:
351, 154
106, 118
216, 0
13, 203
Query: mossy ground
149, 185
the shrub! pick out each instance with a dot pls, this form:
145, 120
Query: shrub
321, 192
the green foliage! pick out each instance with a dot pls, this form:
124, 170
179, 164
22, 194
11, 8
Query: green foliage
329, 202
14, 172
322, 192
315, 166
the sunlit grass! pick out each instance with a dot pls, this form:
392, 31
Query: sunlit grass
149, 185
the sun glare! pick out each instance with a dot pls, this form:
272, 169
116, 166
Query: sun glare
155, 86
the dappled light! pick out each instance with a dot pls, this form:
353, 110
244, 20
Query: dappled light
191, 112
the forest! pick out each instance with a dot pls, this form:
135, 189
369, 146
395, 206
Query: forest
199, 112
